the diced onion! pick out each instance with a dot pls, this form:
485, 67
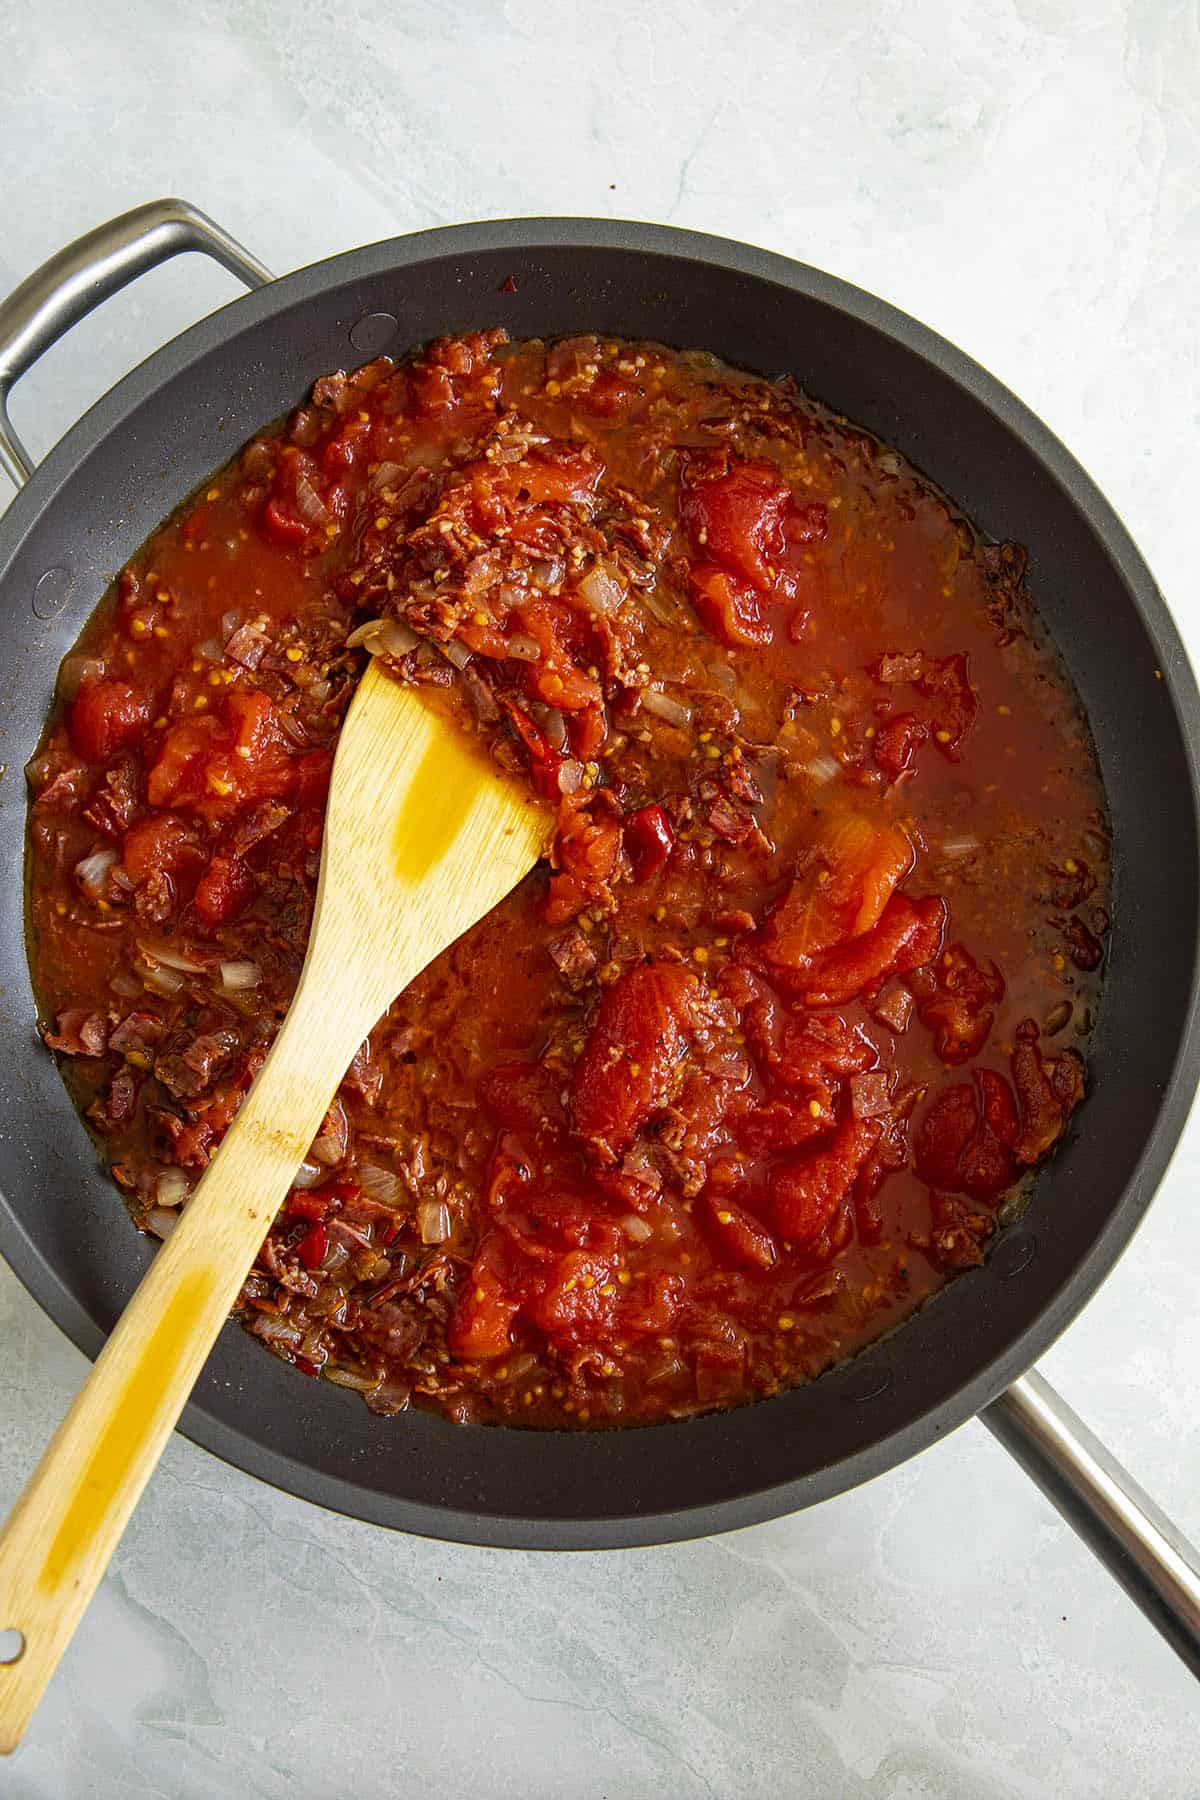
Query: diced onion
390, 637
309, 504
127, 986
525, 649
171, 1188
385, 475
456, 653
555, 727
159, 981
822, 767
172, 959
349, 1378
665, 706
602, 591
661, 608
308, 1175
73, 671
230, 621
636, 1229
379, 1184
92, 872
723, 677
433, 1221
960, 846
274, 1330
161, 1221
570, 776
547, 574
211, 651
236, 976
516, 1367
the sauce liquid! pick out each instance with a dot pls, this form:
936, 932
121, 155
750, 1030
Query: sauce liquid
1007, 826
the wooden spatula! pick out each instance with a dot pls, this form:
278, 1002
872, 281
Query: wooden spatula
421, 840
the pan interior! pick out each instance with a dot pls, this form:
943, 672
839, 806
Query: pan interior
140, 451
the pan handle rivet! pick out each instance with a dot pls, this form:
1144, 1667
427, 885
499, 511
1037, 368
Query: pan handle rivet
374, 332
1013, 1254
51, 593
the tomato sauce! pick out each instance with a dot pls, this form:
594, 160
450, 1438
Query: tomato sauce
768, 1048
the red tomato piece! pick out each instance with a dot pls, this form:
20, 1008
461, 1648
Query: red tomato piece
160, 844
729, 608
349, 445
521, 1095
577, 1298
842, 885
555, 678
632, 1063
608, 395
655, 1305
908, 935
225, 889
649, 840
737, 1235
214, 764
734, 511
312, 777
775, 1125
965, 1141
480, 1326
588, 840
108, 714
808, 1189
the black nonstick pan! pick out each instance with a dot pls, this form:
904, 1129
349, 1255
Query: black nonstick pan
140, 450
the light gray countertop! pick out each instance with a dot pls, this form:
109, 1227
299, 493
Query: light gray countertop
1020, 174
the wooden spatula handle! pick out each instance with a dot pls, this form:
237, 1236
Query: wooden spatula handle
57, 1543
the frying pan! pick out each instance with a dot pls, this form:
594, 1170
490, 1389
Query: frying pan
138, 452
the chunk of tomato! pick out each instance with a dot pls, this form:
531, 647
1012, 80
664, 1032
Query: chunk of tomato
908, 935
108, 714
808, 1189
632, 1062
729, 608
214, 764
734, 512
225, 889
160, 844
480, 1326
842, 885
964, 1143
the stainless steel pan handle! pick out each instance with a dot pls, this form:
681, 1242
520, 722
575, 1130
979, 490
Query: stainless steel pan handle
96, 266
1152, 1561
1138, 1545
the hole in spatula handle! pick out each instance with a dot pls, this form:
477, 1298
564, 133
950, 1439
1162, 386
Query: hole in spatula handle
12, 1646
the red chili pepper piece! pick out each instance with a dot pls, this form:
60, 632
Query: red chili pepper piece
312, 1247
649, 841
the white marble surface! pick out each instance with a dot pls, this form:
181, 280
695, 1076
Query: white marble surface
1022, 175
